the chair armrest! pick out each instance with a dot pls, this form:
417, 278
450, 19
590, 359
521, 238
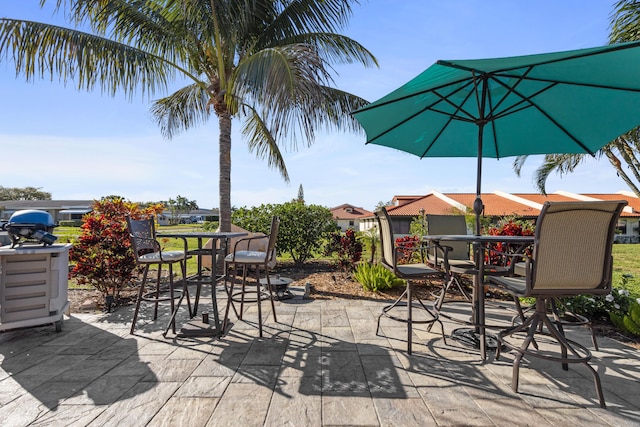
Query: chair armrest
248, 241
157, 246
445, 257
405, 247
510, 259
184, 243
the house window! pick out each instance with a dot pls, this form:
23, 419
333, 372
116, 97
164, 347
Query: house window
351, 223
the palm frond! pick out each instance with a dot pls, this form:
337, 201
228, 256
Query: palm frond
308, 16
518, 164
40, 50
558, 163
625, 22
336, 48
261, 141
181, 110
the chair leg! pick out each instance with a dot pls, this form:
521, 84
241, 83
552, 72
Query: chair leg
527, 341
258, 300
243, 290
139, 299
174, 310
441, 298
172, 321
185, 287
400, 302
229, 297
155, 310
535, 324
409, 316
273, 304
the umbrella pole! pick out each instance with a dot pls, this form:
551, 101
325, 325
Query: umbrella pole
478, 287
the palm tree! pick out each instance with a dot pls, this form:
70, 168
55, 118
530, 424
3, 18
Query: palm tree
622, 152
265, 62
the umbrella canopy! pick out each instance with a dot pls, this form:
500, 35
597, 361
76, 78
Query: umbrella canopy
562, 102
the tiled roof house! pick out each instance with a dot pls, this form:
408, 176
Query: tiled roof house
500, 204
349, 216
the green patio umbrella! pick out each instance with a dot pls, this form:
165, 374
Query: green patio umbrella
562, 102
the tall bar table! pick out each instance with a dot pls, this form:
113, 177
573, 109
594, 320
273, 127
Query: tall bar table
200, 329
478, 314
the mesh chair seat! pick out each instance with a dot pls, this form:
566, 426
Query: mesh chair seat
166, 256
249, 257
418, 271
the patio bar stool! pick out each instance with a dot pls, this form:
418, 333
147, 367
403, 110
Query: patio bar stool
248, 255
148, 252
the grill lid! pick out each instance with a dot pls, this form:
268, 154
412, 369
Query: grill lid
39, 219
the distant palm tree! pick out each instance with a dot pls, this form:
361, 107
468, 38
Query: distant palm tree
624, 151
267, 62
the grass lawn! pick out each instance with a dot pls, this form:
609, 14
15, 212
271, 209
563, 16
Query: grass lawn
626, 260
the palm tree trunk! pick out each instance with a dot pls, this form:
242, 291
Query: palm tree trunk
617, 164
224, 120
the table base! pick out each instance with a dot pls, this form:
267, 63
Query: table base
197, 328
469, 337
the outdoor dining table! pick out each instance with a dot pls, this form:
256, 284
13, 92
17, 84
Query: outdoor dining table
202, 276
482, 269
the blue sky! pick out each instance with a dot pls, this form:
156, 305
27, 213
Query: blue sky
79, 145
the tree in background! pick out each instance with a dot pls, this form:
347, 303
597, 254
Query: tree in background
268, 63
102, 255
623, 152
300, 195
26, 193
180, 205
382, 204
303, 228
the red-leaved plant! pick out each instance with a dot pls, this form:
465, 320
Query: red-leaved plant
506, 227
102, 255
347, 247
407, 246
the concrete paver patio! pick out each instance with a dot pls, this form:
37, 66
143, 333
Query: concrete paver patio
320, 365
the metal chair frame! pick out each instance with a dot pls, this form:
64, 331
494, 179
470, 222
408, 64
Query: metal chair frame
259, 261
410, 273
148, 252
578, 231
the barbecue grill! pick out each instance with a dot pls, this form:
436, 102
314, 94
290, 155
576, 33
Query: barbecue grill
30, 226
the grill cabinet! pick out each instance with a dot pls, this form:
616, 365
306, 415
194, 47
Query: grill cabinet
33, 286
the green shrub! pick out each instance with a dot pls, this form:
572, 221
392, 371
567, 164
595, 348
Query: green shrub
619, 306
630, 321
70, 223
302, 227
375, 277
210, 225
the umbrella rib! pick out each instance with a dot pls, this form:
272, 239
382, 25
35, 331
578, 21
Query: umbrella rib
500, 72
428, 107
451, 117
518, 106
570, 83
533, 104
375, 105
